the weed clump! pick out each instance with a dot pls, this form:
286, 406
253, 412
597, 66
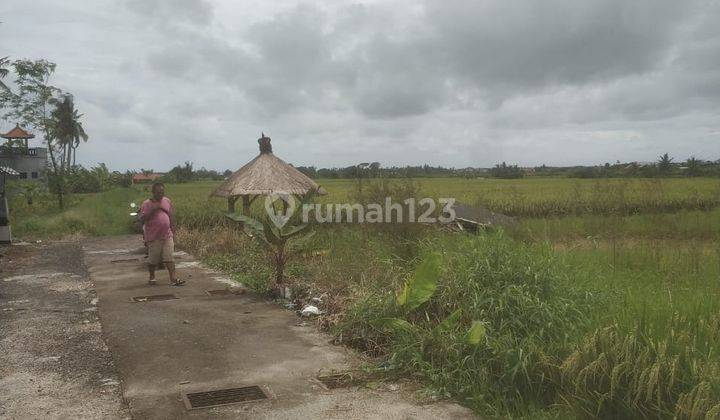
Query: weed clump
500, 327
490, 333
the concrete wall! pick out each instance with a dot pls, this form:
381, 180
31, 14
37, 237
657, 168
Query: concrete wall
33, 163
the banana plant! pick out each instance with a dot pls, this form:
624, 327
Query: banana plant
31, 191
417, 290
274, 239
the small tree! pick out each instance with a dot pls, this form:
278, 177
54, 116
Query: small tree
693, 166
30, 190
664, 164
36, 106
67, 129
506, 171
181, 173
275, 241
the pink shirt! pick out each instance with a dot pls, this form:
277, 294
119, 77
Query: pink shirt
158, 226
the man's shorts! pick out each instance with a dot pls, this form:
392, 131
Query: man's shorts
160, 250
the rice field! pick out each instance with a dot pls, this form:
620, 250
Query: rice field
602, 301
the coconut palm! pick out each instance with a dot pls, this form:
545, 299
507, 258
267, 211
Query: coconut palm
664, 163
67, 128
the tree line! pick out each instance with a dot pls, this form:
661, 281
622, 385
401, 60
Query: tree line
665, 166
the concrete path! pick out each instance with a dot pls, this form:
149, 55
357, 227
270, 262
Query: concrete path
53, 361
199, 342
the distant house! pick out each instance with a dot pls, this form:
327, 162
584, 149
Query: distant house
145, 178
29, 162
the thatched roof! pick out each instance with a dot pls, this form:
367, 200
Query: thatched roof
267, 174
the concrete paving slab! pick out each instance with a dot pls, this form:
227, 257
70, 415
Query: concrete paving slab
54, 363
199, 342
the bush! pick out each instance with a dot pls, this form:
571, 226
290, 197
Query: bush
506, 171
510, 293
180, 174
534, 342
96, 179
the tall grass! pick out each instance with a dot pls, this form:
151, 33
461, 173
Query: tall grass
105, 213
631, 375
601, 302
514, 291
530, 197
545, 342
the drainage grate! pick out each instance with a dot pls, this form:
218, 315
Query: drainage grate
337, 380
219, 292
152, 298
223, 397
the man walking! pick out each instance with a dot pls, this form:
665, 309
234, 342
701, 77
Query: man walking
158, 221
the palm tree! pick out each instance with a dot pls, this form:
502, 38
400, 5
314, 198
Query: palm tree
665, 163
4, 71
67, 128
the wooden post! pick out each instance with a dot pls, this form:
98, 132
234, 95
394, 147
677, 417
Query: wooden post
246, 205
231, 204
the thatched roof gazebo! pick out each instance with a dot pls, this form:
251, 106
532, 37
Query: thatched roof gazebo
265, 175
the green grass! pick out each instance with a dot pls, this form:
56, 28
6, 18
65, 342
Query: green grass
541, 197
601, 302
105, 213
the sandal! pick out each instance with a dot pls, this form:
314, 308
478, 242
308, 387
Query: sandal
152, 282
178, 283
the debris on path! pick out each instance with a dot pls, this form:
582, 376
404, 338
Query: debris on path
310, 310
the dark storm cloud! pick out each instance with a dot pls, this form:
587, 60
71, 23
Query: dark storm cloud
533, 44
488, 50
340, 82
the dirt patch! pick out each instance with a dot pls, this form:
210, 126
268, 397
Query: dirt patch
53, 360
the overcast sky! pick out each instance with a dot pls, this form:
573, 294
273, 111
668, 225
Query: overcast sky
453, 83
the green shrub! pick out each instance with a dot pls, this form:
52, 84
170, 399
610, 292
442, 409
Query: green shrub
507, 294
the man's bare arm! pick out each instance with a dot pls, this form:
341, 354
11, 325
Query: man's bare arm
171, 215
145, 216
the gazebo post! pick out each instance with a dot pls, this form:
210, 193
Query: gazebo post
231, 203
246, 204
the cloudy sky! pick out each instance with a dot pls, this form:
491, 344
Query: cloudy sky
454, 83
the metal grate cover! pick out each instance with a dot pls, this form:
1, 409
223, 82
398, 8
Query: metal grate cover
219, 292
125, 260
153, 298
337, 380
223, 397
